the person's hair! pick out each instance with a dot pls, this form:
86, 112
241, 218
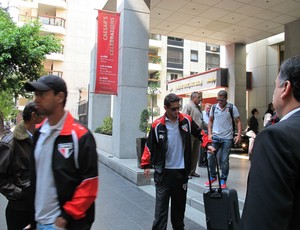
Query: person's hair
29, 108
65, 93
222, 93
253, 111
270, 109
194, 94
170, 98
290, 71
270, 105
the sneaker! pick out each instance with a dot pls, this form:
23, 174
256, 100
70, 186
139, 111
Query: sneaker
212, 180
223, 184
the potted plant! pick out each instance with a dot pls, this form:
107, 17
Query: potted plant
140, 142
106, 127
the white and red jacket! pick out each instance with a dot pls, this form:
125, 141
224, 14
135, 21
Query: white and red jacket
154, 154
76, 176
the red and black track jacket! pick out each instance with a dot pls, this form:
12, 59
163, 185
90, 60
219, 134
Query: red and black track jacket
156, 147
75, 175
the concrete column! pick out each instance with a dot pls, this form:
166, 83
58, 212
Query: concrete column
236, 64
99, 104
133, 75
292, 37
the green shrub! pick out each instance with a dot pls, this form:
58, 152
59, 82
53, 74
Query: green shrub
144, 125
106, 127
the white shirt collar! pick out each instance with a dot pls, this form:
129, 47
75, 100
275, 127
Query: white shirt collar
46, 127
286, 116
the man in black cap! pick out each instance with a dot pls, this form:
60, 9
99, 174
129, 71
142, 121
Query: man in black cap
15, 149
64, 162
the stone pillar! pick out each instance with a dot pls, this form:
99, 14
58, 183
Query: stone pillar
133, 75
236, 64
292, 37
99, 104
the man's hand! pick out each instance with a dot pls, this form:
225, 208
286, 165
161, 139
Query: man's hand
211, 149
60, 222
237, 139
28, 227
147, 173
209, 137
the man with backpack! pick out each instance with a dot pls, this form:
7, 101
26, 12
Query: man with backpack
221, 129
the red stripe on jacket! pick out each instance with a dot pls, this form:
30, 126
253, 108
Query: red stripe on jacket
84, 196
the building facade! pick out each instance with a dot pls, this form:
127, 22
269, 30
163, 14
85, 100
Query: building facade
73, 22
251, 68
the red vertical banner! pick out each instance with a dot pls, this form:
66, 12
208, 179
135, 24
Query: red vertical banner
107, 53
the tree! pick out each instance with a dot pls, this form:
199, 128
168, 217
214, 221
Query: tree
153, 89
22, 53
7, 107
144, 121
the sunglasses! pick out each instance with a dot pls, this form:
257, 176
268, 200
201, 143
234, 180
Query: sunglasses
221, 99
175, 108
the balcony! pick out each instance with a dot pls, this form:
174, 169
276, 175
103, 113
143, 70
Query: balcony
61, 4
26, 18
50, 24
56, 56
154, 63
155, 43
53, 24
54, 72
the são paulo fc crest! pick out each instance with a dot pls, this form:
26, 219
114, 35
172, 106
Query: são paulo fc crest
66, 149
185, 127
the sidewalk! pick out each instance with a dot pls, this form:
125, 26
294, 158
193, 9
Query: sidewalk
121, 204
239, 167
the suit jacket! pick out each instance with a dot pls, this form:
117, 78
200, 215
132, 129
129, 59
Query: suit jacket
273, 193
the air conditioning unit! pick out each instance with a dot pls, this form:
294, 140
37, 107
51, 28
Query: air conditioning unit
213, 48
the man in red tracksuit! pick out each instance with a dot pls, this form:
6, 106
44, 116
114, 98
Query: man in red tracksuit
168, 151
64, 172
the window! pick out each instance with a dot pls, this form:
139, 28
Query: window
174, 75
194, 55
175, 41
175, 58
192, 73
212, 56
212, 61
212, 48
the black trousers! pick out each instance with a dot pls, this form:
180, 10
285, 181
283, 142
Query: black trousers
172, 184
16, 218
203, 158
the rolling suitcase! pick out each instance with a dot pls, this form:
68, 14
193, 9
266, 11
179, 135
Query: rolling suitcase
221, 206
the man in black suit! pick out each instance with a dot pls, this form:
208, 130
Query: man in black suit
273, 192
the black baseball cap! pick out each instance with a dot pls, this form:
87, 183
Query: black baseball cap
46, 83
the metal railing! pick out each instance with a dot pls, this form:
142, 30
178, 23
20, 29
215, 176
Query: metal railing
52, 21
55, 72
45, 20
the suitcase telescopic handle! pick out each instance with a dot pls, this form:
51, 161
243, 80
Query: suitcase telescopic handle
219, 190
